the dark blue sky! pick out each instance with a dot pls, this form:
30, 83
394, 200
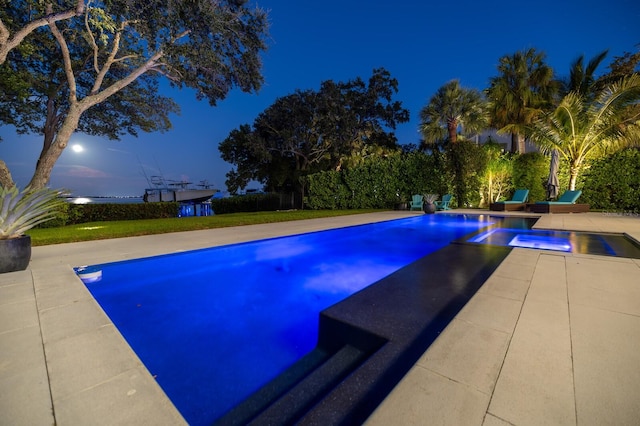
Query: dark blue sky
423, 45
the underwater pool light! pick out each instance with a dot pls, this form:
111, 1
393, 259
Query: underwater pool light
540, 242
483, 236
88, 274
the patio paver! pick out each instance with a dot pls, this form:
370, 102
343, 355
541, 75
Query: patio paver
550, 338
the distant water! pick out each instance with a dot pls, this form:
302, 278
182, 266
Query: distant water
104, 200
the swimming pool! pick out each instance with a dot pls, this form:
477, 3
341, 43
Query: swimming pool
215, 325
200, 324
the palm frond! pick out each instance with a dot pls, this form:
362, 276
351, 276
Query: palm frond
585, 126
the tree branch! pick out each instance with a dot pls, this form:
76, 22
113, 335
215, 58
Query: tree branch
93, 43
7, 42
110, 60
68, 68
97, 97
151, 65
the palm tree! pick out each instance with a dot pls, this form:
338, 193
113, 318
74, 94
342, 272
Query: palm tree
580, 128
522, 91
582, 79
451, 108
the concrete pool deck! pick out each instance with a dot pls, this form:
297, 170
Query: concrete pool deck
550, 338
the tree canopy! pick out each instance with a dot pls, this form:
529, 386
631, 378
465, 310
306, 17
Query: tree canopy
451, 109
96, 69
41, 13
522, 91
309, 131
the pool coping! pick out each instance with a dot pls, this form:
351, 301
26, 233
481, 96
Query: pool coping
80, 372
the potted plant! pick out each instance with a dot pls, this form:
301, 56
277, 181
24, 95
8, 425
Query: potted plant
429, 205
19, 212
401, 202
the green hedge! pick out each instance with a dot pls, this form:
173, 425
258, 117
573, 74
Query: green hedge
71, 214
530, 171
252, 203
613, 182
379, 183
467, 162
327, 191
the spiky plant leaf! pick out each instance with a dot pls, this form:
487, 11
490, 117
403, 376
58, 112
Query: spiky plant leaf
22, 210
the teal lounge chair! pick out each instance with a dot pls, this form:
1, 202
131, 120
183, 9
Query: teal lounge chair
416, 202
444, 204
517, 202
565, 204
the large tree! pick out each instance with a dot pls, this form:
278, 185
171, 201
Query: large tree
98, 72
359, 115
309, 131
523, 90
585, 126
35, 97
452, 109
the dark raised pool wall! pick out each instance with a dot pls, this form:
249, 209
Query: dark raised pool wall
369, 341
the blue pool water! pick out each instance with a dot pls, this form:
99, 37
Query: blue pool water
215, 325
567, 241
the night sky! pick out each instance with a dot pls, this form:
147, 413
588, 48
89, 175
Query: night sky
422, 44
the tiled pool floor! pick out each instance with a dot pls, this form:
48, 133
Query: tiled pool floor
550, 338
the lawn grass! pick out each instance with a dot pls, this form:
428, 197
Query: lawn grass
130, 228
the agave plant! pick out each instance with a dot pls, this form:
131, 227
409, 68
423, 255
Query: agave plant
430, 198
22, 210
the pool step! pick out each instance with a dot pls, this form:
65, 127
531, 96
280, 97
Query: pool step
369, 341
314, 387
294, 392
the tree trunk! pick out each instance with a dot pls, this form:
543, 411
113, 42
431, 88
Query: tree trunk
50, 155
522, 148
6, 181
514, 142
452, 128
573, 177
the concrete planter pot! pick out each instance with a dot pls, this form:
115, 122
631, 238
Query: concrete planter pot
401, 206
15, 254
429, 208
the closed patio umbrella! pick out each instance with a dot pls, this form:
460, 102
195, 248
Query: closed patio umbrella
552, 181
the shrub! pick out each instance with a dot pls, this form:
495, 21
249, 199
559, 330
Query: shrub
329, 191
496, 181
425, 173
530, 171
613, 182
468, 162
378, 182
253, 203
71, 214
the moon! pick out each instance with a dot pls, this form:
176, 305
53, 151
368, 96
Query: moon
77, 148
